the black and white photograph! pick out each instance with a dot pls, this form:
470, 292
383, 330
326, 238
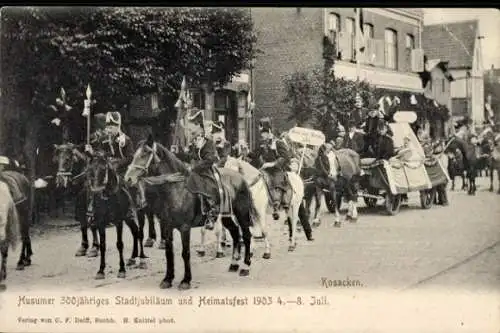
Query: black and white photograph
251, 169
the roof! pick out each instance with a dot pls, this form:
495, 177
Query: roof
453, 42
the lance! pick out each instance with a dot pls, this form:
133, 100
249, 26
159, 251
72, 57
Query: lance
86, 110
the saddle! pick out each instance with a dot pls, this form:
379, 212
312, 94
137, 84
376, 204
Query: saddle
12, 182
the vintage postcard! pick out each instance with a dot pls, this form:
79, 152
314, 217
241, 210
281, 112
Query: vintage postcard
249, 169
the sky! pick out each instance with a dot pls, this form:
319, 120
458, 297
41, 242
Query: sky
489, 26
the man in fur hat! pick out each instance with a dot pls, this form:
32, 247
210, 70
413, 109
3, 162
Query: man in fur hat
274, 159
202, 179
118, 146
223, 147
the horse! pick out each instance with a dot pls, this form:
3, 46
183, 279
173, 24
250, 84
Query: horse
468, 152
456, 168
111, 204
345, 171
71, 178
20, 188
494, 164
9, 229
262, 195
180, 209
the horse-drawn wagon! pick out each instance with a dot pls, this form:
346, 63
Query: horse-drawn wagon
407, 172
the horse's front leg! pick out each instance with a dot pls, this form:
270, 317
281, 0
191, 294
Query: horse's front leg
102, 246
4, 250
134, 229
292, 220
219, 230
119, 247
318, 195
201, 251
151, 227
498, 177
491, 178
235, 235
95, 242
186, 256
82, 250
169, 256
247, 242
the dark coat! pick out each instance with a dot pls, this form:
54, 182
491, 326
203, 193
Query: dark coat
201, 179
384, 147
123, 154
275, 151
356, 143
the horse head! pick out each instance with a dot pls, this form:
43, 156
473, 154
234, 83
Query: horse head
152, 158
102, 174
66, 156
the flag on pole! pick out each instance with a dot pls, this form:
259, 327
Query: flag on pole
361, 44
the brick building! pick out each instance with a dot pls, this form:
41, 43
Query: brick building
292, 39
459, 43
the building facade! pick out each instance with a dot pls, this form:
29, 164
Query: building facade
459, 43
291, 39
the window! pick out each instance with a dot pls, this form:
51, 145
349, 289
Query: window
391, 49
443, 82
333, 22
410, 42
333, 27
368, 30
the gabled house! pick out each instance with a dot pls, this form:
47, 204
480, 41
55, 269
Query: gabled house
459, 44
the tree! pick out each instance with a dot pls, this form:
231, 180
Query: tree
319, 99
121, 52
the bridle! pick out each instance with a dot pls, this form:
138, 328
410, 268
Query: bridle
151, 158
63, 176
100, 189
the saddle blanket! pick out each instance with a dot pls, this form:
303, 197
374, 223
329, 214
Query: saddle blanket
225, 198
11, 179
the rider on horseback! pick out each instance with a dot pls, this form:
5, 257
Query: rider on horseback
222, 145
111, 140
275, 159
202, 178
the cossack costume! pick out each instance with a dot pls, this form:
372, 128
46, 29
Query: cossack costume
275, 152
202, 179
223, 147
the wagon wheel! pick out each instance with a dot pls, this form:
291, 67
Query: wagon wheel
371, 202
330, 203
392, 203
427, 198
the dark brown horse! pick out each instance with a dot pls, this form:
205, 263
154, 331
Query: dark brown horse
111, 204
71, 178
180, 209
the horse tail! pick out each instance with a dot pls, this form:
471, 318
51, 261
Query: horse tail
252, 209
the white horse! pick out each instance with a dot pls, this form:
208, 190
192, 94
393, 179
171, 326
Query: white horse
261, 195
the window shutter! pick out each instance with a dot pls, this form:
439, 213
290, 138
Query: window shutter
417, 60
